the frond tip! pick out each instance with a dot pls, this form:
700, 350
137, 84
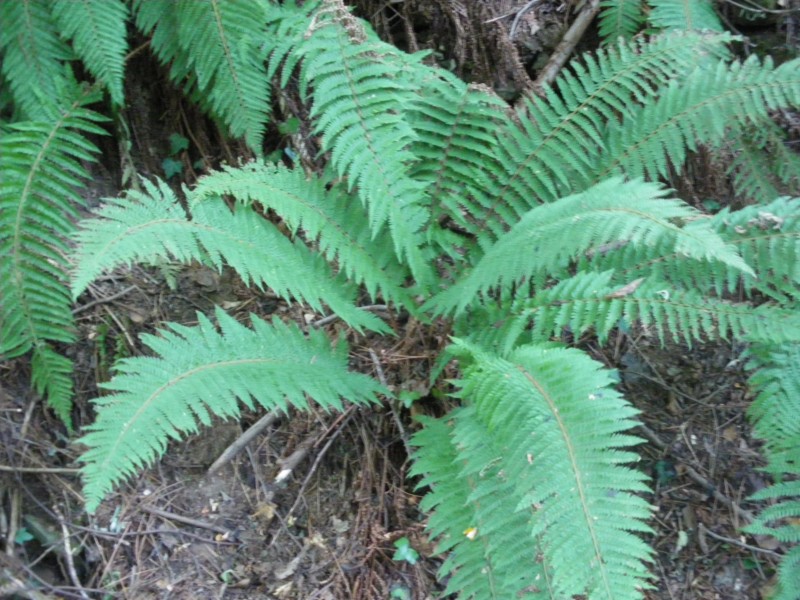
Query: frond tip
197, 371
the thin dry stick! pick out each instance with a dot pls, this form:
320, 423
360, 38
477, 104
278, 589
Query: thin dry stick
73, 574
239, 444
104, 299
739, 543
58, 470
567, 45
185, 520
382, 379
699, 479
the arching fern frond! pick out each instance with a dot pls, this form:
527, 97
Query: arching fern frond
554, 441
560, 137
97, 31
609, 215
213, 49
146, 226
199, 371
337, 223
699, 109
620, 18
696, 15
41, 163
596, 302
766, 235
33, 55
360, 96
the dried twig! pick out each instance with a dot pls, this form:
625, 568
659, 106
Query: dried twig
244, 439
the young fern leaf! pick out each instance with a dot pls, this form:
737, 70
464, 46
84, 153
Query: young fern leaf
360, 97
146, 226
97, 31
41, 163
547, 429
620, 18
689, 15
337, 223
488, 549
197, 371
213, 48
33, 55
612, 213
699, 109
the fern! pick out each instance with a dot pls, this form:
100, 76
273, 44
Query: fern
701, 108
358, 106
774, 414
33, 55
685, 15
213, 49
620, 18
197, 371
340, 226
552, 441
151, 225
97, 31
42, 173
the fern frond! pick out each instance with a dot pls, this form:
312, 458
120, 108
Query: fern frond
612, 213
466, 497
696, 15
97, 31
596, 302
775, 410
620, 18
547, 429
359, 100
456, 125
763, 164
699, 109
197, 371
335, 222
560, 137
146, 226
775, 414
33, 54
212, 47
41, 163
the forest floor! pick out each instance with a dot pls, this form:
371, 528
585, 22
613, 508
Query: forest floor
328, 529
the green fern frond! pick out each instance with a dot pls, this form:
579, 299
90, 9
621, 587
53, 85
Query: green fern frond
553, 150
41, 163
696, 15
488, 550
97, 31
767, 236
776, 409
33, 54
554, 441
775, 414
763, 164
596, 302
360, 96
197, 371
611, 214
337, 223
699, 109
620, 18
212, 47
146, 226
456, 125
